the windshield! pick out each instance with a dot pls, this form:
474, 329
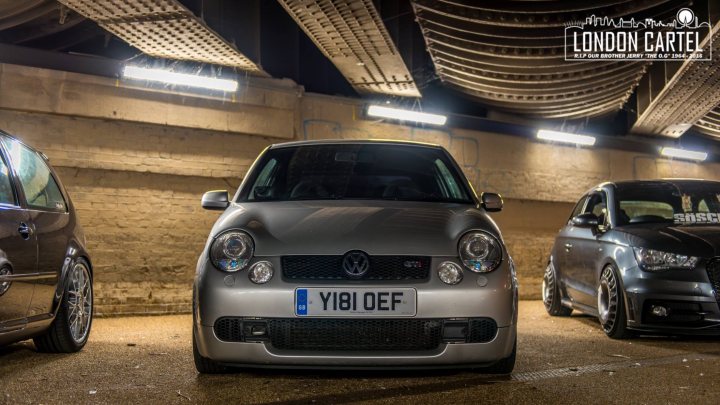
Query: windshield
356, 172
681, 203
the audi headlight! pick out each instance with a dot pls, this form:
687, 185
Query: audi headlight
232, 251
480, 252
655, 260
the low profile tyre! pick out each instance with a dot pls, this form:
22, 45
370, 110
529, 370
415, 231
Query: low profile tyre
204, 365
70, 329
611, 305
551, 294
506, 365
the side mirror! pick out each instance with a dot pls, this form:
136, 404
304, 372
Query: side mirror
215, 200
491, 202
586, 220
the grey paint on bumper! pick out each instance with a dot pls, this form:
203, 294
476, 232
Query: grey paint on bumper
689, 286
263, 354
220, 294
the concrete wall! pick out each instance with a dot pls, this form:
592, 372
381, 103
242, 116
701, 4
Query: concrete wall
136, 162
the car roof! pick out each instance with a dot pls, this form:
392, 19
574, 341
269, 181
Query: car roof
676, 181
353, 142
623, 184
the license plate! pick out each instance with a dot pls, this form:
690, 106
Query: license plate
355, 301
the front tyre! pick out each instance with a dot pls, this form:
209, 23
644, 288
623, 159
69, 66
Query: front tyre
611, 305
551, 294
70, 329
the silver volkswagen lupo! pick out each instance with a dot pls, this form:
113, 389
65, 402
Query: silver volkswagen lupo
359, 254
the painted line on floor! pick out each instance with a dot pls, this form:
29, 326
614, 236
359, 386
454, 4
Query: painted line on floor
610, 367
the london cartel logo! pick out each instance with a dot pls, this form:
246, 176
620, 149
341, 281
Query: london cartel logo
603, 38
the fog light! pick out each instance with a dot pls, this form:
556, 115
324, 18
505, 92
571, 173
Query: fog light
659, 310
261, 272
450, 273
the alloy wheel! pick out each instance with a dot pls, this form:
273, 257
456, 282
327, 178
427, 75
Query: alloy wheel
548, 286
608, 299
79, 302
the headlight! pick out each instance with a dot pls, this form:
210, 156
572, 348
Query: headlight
232, 251
450, 273
261, 272
480, 252
655, 260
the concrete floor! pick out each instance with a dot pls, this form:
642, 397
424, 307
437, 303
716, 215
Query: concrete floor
560, 360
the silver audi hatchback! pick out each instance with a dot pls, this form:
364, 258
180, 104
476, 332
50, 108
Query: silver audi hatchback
354, 254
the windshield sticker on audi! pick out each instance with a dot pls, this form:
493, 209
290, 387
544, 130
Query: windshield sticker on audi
686, 203
697, 218
604, 38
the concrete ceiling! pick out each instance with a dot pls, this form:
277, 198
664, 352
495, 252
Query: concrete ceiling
352, 35
495, 55
164, 29
511, 55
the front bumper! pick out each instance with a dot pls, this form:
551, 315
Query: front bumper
262, 354
219, 295
688, 297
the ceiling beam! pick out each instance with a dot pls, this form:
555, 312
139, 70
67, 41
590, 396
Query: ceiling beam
671, 103
353, 37
164, 29
511, 55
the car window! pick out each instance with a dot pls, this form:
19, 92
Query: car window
597, 204
356, 172
262, 186
6, 191
630, 209
578, 208
41, 190
662, 202
446, 181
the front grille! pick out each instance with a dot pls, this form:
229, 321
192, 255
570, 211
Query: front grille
330, 268
713, 271
482, 330
229, 329
355, 334
327, 334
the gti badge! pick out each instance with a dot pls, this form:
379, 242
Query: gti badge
356, 264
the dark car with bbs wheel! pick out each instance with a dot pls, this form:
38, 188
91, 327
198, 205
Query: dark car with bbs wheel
45, 274
642, 256
359, 254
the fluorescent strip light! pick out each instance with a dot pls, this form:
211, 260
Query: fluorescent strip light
683, 154
406, 115
565, 137
182, 79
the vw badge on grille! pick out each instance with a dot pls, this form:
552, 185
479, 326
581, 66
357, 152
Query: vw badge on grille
356, 264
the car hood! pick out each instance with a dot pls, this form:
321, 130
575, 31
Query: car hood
694, 240
338, 226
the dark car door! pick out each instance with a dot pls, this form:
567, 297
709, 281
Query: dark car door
18, 254
563, 258
584, 248
48, 212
